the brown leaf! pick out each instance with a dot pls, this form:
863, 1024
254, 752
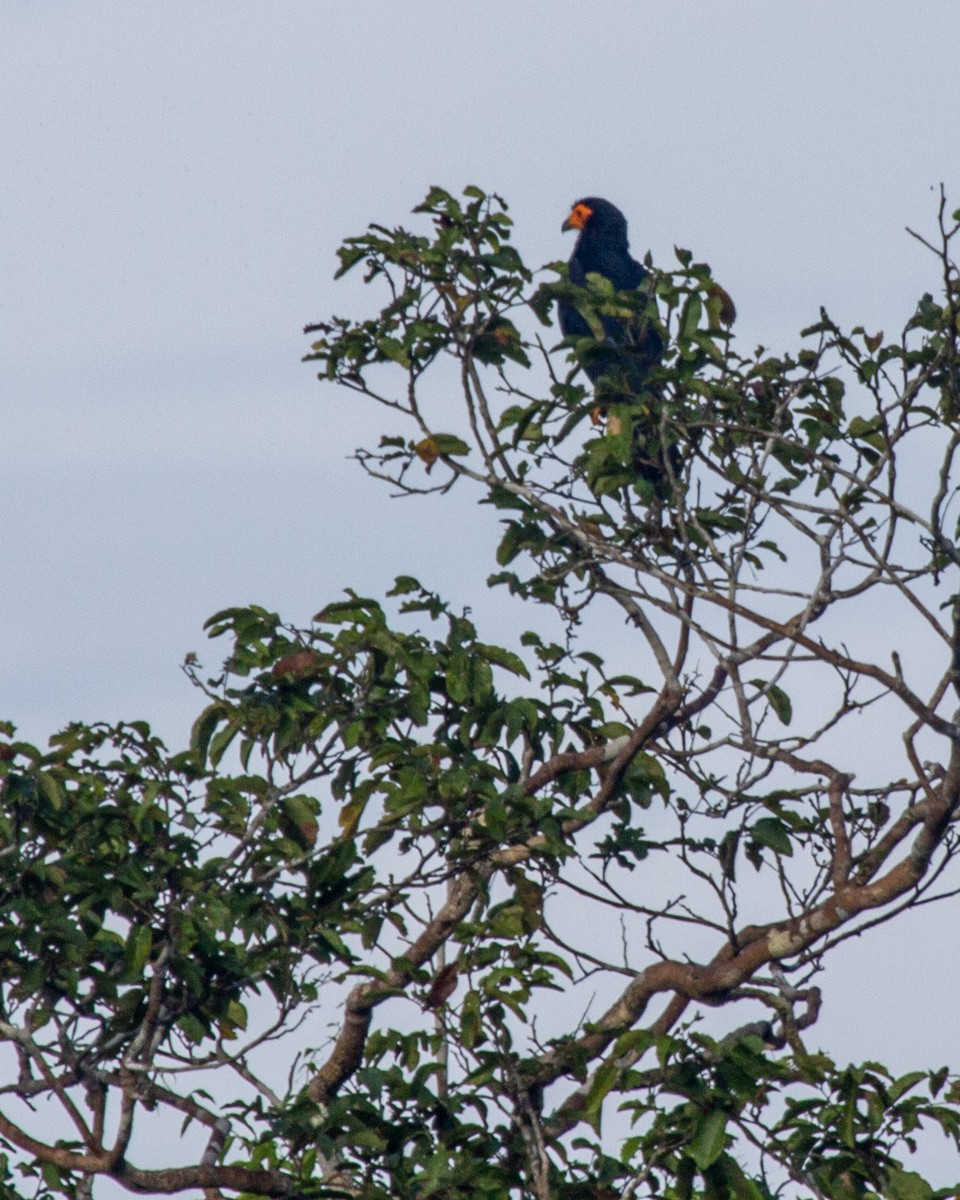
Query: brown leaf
443, 986
299, 665
728, 310
590, 527
427, 451
530, 895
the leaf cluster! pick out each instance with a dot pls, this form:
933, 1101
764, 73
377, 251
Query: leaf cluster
434, 914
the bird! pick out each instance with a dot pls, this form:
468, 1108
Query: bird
617, 365
602, 247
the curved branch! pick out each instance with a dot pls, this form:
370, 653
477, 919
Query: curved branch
755, 946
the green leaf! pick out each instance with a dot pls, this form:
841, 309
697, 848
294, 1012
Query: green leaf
457, 681
350, 253
203, 729
495, 817
471, 1024
350, 815
391, 349
449, 443
604, 1079
51, 789
868, 431
906, 1083
51, 1175
779, 700
780, 703
740, 1187
709, 1139
192, 1028
403, 585
300, 820
772, 833
220, 743
634, 1041
690, 318
848, 1117
235, 1019
504, 658
136, 952
907, 1185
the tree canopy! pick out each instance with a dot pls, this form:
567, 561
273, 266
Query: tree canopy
421, 915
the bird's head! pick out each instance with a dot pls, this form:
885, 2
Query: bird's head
595, 216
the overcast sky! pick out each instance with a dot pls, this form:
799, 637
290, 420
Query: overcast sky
175, 179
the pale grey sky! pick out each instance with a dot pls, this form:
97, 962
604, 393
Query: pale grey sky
175, 179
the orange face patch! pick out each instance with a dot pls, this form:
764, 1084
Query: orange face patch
580, 214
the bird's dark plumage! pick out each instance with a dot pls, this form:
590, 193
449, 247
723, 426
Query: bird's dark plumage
602, 247
619, 364
602, 244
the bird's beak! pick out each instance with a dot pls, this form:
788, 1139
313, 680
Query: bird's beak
579, 216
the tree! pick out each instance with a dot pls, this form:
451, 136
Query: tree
418, 915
